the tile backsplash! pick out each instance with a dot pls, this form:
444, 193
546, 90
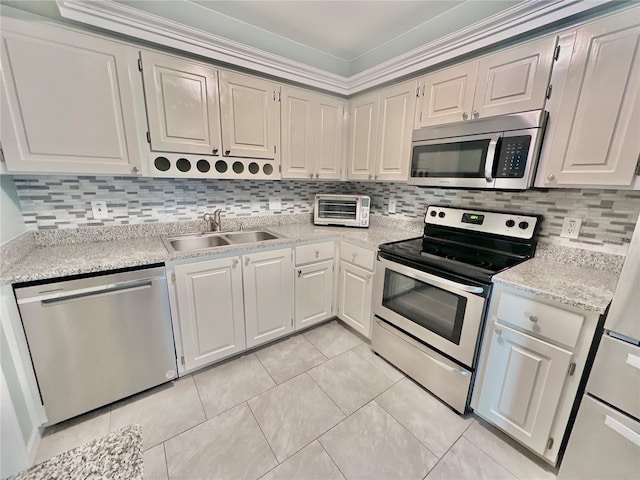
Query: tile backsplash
50, 202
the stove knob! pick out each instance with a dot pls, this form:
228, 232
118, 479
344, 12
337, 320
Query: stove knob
441, 214
523, 225
433, 213
510, 223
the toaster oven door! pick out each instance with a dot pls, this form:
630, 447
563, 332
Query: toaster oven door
336, 210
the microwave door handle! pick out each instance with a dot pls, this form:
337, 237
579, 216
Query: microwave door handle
491, 155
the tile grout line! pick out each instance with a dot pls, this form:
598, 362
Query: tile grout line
331, 458
253, 415
166, 462
193, 379
265, 368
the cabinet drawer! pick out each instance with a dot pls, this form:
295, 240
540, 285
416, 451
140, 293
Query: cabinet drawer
314, 253
542, 320
358, 256
615, 377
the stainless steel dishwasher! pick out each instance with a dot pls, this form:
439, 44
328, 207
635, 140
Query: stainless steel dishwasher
98, 339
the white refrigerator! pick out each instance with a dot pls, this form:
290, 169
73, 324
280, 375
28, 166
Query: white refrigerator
605, 441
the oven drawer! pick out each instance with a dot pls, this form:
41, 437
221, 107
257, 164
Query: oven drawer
314, 253
438, 374
615, 377
361, 257
542, 320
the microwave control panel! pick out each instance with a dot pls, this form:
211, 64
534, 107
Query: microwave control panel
513, 157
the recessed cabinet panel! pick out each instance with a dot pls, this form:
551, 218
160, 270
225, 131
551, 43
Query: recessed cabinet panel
210, 307
594, 140
313, 293
250, 116
297, 134
397, 110
182, 105
514, 80
362, 143
522, 384
268, 291
67, 103
356, 291
448, 95
329, 138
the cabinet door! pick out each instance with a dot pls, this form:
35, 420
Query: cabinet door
67, 102
448, 95
297, 133
395, 127
329, 138
182, 105
355, 297
211, 315
514, 80
362, 137
313, 293
250, 116
522, 383
268, 295
593, 137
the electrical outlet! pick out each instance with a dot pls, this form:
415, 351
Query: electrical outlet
275, 204
99, 209
392, 206
571, 227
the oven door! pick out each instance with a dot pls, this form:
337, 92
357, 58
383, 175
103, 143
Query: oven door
442, 313
454, 162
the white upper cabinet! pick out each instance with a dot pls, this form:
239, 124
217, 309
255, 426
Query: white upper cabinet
447, 95
312, 140
67, 102
250, 116
510, 81
183, 106
380, 131
594, 112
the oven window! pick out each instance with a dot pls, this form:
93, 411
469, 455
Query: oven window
451, 160
431, 307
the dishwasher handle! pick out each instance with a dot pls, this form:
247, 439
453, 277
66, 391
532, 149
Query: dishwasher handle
89, 292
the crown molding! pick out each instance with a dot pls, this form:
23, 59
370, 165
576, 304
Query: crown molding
517, 20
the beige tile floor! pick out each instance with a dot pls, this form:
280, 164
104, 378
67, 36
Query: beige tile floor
318, 405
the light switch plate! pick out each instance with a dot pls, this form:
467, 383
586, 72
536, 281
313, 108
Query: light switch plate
571, 227
275, 204
392, 206
99, 208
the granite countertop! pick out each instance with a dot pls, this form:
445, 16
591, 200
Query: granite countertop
117, 455
48, 262
579, 286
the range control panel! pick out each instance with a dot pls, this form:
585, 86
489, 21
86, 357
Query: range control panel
513, 157
506, 224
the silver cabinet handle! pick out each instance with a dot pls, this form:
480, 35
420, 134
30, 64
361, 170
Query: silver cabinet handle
465, 115
227, 152
533, 318
299, 273
135, 169
215, 151
498, 331
234, 264
375, 177
317, 253
246, 261
311, 175
476, 114
551, 177
370, 177
368, 279
317, 175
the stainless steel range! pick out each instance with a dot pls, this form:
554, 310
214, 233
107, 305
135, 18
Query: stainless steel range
431, 293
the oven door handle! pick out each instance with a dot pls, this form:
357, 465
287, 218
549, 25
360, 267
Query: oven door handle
431, 279
491, 156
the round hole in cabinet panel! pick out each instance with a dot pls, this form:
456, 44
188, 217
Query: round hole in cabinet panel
254, 167
267, 169
238, 167
183, 165
162, 163
203, 166
221, 166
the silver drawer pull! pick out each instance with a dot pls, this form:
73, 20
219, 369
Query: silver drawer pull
633, 360
623, 430
498, 331
533, 318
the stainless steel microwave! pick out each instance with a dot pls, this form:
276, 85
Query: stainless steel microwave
497, 153
343, 210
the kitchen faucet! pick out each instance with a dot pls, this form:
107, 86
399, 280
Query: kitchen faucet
215, 222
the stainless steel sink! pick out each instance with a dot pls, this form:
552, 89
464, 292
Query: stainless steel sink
203, 241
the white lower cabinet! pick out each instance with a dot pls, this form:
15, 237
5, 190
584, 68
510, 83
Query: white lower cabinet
532, 358
210, 309
268, 295
355, 293
314, 293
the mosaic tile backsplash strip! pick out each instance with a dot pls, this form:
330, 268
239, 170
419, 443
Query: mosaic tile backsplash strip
52, 202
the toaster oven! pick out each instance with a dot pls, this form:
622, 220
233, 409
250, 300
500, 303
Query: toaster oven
343, 210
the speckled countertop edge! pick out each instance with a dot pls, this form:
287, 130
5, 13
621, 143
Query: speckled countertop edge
116, 456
